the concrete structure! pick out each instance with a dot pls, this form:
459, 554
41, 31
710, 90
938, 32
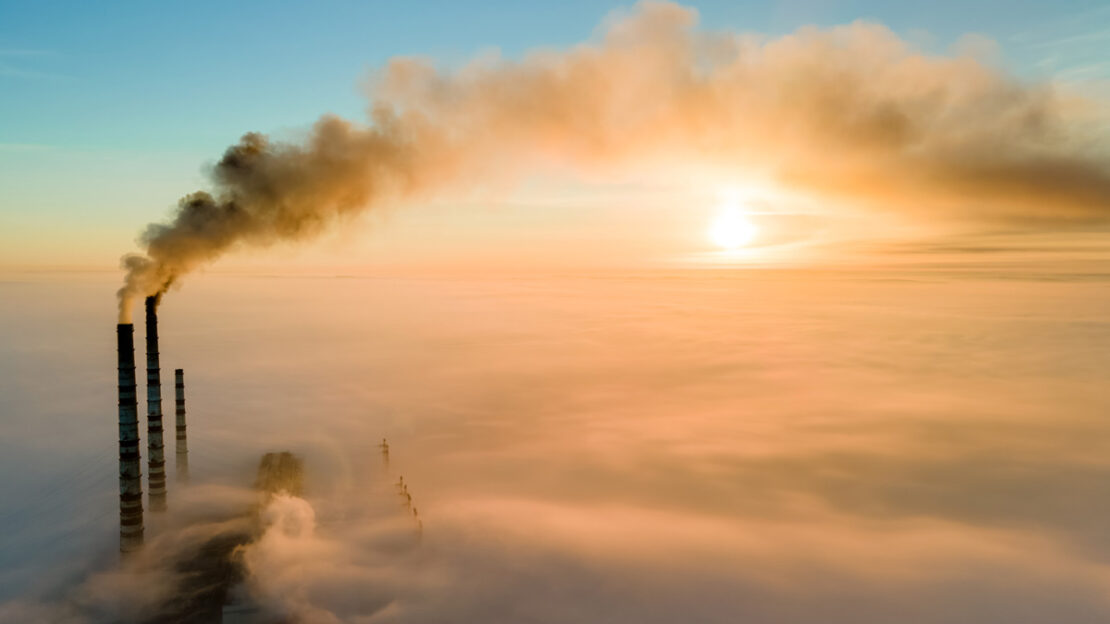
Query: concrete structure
130, 472
211, 581
280, 473
182, 451
156, 459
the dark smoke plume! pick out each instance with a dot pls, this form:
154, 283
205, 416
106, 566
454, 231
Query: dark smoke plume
851, 112
265, 192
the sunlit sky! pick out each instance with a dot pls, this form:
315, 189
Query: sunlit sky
108, 113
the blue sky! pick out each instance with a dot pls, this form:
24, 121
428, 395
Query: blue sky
184, 76
108, 108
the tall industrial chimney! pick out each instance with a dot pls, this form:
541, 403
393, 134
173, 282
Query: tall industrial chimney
130, 472
182, 454
157, 461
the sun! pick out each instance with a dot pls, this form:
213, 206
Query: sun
732, 229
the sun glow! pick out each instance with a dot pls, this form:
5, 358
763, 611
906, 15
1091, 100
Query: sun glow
732, 229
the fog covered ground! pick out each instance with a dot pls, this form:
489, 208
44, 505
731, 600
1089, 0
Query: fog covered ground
672, 446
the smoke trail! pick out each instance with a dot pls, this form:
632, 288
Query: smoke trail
265, 192
853, 112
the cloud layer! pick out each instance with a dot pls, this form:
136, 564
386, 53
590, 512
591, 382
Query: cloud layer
713, 446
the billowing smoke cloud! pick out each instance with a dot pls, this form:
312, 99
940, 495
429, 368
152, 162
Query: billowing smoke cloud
266, 193
852, 111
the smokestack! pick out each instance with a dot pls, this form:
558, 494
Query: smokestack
182, 454
130, 473
156, 459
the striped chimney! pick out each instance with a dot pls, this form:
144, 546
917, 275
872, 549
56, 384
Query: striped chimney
156, 457
182, 454
130, 471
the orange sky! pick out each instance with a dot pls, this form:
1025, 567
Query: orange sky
616, 152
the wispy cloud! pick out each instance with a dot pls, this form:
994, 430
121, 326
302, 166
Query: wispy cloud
24, 52
20, 63
1072, 47
25, 147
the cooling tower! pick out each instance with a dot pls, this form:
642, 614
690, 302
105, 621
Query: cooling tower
182, 451
130, 473
156, 456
